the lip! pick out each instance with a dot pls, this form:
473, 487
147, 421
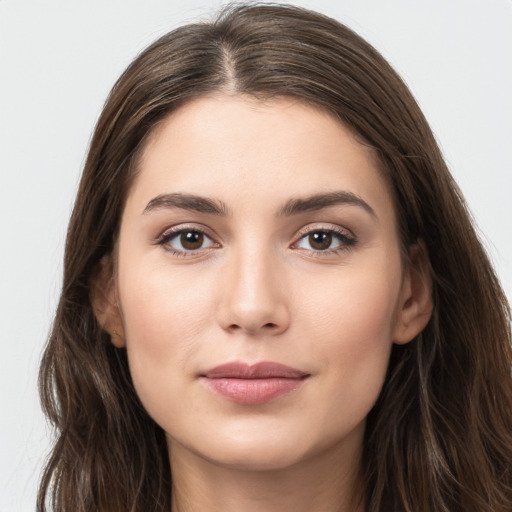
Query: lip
253, 384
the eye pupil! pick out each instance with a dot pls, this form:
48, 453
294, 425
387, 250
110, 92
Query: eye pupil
320, 240
191, 240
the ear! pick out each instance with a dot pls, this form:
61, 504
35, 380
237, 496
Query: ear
415, 304
104, 301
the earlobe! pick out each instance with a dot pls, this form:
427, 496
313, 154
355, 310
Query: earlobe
415, 305
104, 301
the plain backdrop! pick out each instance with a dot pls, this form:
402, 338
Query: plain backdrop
58, 60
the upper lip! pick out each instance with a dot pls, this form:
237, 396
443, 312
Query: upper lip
262, 370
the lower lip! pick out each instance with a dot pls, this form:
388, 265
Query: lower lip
253, 391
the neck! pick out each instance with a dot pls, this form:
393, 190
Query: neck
327, 482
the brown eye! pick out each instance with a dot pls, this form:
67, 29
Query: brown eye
320, 240
325, 240
185, 241
191, 240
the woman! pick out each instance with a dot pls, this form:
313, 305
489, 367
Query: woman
273, 296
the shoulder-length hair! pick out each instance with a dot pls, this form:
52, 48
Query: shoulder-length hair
440, 436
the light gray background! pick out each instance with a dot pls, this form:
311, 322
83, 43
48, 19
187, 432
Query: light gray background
58, 60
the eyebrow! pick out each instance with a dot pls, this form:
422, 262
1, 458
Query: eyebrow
320, 201
187, 202
292, 207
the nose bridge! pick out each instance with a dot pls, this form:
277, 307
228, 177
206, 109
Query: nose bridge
253, 297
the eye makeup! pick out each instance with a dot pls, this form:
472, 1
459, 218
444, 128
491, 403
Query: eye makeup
191, 240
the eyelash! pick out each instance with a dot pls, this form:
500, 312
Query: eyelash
347, 241
174, 233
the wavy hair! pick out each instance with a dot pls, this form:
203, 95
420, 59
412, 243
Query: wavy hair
439, 437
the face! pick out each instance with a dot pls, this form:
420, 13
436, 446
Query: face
259, 281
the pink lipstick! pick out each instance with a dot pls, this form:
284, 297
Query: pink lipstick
253, 384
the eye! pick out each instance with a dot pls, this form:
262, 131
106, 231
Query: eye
186, 240
325, 240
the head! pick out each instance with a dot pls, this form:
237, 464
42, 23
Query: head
282, 59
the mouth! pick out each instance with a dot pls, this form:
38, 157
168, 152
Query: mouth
253, 384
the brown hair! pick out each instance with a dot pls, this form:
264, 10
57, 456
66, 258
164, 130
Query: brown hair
440, 436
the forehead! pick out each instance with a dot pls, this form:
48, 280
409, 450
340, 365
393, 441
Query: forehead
241, 151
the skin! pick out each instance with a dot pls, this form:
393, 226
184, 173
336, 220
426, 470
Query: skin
258, 289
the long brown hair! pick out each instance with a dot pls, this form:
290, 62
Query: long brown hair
440, 436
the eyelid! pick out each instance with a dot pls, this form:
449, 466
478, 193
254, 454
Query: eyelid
171, 232
345, 235
327, 226
348, 239
183, 226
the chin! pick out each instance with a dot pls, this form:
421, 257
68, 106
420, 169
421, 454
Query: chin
246, 452
256, 458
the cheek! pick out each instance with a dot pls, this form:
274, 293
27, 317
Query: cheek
160, 306
163, 317
351, 324
357, 306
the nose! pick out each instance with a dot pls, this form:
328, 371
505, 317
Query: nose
254, 297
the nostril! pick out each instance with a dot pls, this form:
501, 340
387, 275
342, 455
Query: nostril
253, 328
